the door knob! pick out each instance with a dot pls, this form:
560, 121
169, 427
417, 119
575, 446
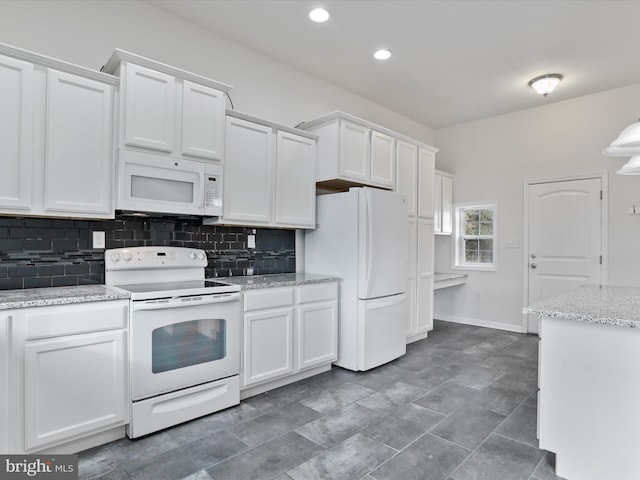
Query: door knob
533, 265
533, 255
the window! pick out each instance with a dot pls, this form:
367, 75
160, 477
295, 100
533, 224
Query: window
475, 237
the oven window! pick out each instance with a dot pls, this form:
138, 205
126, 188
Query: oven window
184, 344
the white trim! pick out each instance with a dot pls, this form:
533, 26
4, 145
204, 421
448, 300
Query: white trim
476, 322
604, 230
480, 267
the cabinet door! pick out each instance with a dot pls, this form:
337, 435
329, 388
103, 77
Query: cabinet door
426, 165
412, 271
437, 203
78, 153
248, 172
317, 334
383, 156
203, 121
268, 345
424, 322
16, 133
149, 108
74, 385
355, 152
447, 205
295, 181
425, 246
406, 181
5, 388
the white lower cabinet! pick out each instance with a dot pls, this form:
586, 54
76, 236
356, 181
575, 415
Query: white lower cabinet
4, 382
70, 375
288, 331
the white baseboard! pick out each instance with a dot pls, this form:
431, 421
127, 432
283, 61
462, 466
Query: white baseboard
480, 323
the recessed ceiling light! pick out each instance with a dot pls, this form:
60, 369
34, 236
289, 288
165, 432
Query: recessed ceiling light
319, 15
382, 54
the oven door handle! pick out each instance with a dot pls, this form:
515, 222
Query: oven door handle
194, 301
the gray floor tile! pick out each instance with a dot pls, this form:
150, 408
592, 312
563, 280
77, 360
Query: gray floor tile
448, 398
468, 427
337, 397
546, 469
522, 424
283, 396
333, 378
200, 475
349, 460
178, 463
498, 342
428, 379
380, 378
478, 376
268, 460
273, 424
525, 347
501, 398
402, 426
500, 458
394, 396
339, 425
428, 458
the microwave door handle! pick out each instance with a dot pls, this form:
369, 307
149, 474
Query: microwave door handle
185, 301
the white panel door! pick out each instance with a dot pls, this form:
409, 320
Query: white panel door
565, 239
16, 133
426, 166
268, 345
149, 109
295, 180
406, 181
383, 231
425, 246
355, 154
203, 121
78, 153
383, 155
248, 172
74, 385
446, 206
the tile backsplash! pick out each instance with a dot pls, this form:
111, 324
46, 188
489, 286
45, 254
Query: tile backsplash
45, 252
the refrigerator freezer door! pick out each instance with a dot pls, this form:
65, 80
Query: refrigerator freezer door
381, 322
382, 244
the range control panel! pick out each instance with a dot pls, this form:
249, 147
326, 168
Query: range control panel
136, 258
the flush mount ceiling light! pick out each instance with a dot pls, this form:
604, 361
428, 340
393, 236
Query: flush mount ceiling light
544, 84
627, 143
382, 54
319, 15
632, 167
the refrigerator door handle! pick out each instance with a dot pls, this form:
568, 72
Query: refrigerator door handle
368, 246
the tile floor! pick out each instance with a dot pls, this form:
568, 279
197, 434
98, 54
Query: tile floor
461, 405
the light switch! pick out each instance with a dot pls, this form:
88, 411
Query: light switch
512, 243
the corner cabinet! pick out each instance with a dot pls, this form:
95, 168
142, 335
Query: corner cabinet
168, 111
57, 118
352, 151
268, 175
69, 375
443, 203
288, 333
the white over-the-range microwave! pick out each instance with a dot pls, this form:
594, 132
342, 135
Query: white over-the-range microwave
166, 185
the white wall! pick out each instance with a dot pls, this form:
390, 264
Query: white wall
87, 32
491, 159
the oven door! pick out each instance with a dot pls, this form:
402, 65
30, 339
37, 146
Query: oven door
181, 342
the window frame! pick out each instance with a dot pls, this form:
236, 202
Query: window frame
459, 237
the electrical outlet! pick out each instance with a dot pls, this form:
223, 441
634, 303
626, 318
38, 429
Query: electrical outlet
98, 240
251, 241
249, 271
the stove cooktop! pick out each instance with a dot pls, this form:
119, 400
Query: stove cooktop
146, 291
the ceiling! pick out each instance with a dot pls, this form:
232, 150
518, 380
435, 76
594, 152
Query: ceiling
453, 60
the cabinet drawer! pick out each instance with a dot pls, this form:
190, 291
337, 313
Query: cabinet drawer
76, 318
317, 293
268, 298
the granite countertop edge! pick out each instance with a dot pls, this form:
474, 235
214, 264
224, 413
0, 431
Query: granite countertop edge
43, 297
582, 317
277, 280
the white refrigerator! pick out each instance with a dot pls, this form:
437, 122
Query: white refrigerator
361, 237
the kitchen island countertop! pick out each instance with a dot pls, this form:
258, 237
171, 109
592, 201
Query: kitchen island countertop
277, 280
603, 304
41, 297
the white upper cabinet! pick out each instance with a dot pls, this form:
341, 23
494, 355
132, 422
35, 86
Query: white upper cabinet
268, 175
169, 111
407, 185
56, 137
16, 132
79, 140
352, 151
443, 203
426, 166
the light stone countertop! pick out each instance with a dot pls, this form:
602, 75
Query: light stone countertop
277, 280
42, 297
603, 304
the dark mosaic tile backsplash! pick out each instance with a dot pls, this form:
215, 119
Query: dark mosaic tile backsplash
45, 252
